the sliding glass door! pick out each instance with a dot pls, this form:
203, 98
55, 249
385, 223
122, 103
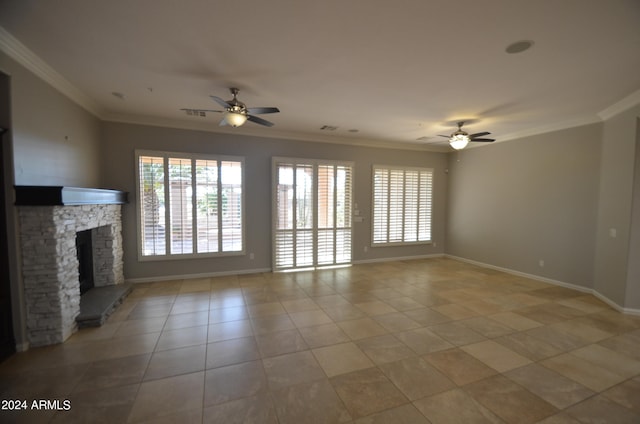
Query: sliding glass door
311, 213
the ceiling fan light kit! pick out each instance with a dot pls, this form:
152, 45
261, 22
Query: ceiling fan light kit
459, 141
235, 119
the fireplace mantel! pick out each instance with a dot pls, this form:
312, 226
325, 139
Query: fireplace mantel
67, 196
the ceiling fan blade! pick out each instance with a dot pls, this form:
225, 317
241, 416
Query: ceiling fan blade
445, 136
483, 139
261, 110
259, 121
480, 134
221, 102
223, 122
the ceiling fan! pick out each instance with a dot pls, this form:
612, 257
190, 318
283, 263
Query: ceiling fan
459, 139
236, 112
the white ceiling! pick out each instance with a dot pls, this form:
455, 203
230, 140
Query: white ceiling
394, 70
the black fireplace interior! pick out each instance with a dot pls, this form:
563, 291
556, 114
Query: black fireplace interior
84, 248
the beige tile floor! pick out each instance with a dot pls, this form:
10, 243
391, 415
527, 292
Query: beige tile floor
426, 341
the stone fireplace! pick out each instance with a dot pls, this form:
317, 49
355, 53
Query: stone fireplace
50, 219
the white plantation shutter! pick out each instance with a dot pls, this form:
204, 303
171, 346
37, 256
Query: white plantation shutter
207, 206
284, 217
304, 225
401, 205
334, 214
344, 212
181, 205
425, 205
231, 201
396, 206
326, 214
410, 210
189, 204
312, 213
380, 205
152, 201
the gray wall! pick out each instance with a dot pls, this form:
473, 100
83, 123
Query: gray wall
120, 141
616, 199
513, 204
552, 197
55, 141
632, 297
52, 141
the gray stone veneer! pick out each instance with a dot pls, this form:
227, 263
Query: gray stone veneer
50, 264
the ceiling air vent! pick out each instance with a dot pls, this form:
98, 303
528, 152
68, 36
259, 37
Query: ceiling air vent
195, 112
328, 128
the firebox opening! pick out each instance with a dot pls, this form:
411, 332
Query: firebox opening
84, 248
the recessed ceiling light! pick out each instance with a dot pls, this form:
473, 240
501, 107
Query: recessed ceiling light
519, 46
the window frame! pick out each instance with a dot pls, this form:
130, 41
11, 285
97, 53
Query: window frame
166, 156
404, 169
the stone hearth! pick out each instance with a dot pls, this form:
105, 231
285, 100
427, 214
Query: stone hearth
50, 264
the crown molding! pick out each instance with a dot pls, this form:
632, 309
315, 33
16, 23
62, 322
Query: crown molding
558, 126
25, 57
270, 133
627, 102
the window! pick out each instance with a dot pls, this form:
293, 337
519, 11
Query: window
189, 205
312, 213
401, 205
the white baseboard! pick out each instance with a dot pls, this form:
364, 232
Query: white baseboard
261, 270
201, 275
628, 311
400, 258
614, 305
523, 274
